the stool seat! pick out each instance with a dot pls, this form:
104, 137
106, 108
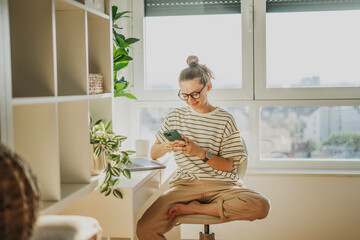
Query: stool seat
69, 227
199, 219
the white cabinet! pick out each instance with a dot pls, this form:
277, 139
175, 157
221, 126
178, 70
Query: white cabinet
54, 45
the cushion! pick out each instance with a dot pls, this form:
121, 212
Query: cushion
66, 227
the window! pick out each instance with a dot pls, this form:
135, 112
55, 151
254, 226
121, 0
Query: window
151, 120
293, 85
311, 49
212, 30
200, 35
311, 132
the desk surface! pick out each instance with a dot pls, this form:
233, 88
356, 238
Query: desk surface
118, 217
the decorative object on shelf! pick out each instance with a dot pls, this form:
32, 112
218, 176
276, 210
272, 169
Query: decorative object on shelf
19, 198
114, 161
96, 83
121, 56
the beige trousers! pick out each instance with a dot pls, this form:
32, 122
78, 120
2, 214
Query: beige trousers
234, 203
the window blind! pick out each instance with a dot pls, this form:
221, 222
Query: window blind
308, 5
191, 7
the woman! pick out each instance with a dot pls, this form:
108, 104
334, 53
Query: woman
205, 180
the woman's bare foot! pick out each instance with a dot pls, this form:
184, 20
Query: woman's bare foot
184, 209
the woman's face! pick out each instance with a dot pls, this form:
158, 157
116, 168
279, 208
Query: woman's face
192, 86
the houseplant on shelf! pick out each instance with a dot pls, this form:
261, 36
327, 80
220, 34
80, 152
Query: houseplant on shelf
108, 157
121, 57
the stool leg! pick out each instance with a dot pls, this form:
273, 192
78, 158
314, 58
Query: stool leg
206, 235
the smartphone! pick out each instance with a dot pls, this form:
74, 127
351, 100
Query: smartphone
173, 135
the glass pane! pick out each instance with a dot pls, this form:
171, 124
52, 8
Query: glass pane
171, 39
326, 132
313, 49
241, 116
150, 121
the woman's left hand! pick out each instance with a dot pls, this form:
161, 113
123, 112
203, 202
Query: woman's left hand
189, 147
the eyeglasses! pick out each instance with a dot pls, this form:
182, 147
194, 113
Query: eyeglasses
194, 95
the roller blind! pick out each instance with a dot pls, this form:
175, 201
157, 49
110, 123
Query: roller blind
308, 5
190, 7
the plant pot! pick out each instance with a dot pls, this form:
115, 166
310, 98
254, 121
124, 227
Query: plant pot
97, 165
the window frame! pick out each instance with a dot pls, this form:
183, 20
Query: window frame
264, 93
245, 93
254, 94
306, 164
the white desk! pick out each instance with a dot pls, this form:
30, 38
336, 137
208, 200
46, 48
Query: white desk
118, 217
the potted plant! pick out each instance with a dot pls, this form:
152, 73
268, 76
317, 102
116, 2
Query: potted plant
121, 57
108, 157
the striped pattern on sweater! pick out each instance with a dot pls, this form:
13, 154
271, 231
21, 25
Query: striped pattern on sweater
215, 132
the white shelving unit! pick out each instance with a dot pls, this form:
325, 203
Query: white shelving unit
55, 44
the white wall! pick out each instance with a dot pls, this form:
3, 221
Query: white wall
303, 207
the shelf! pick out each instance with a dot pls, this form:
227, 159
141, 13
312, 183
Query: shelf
55, 44
74, 142
32, 51
40, 100
66, 5
99, 40
35, 140
70, 193
32, 100
97, 96
71, 98
71, 52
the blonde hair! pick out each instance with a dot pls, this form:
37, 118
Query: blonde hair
196, 70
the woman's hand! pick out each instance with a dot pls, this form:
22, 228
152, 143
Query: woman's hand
160, 149
187, 147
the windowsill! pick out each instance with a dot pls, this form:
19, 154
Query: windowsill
302, 172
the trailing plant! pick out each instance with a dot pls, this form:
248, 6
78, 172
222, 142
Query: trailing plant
121, 57
116, 160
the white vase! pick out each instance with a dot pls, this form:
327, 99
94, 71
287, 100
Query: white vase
97, 165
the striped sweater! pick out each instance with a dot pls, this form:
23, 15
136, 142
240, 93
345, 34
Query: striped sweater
216, 132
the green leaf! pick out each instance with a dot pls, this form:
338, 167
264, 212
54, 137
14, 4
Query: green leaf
121, 14
98, 122
114, 182
115, 171
102, 126
127, 173
107, 126
130, 152
120, 65
119, 86
120, 42
131, 40
108, 176
104, 187
117, 193
114, 10
125, 94
108, 192
125, 58
117, 27
97, 151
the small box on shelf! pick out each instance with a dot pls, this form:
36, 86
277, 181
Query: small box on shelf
96, 83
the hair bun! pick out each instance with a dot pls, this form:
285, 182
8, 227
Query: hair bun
192, 61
